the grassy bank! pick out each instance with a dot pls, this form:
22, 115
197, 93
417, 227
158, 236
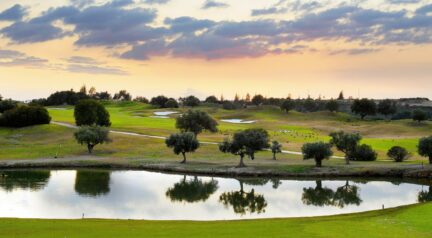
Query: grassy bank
410, 221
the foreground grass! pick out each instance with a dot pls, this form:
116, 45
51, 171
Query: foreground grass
292, 129
410, 221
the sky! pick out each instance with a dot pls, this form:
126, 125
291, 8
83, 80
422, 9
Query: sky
371, 48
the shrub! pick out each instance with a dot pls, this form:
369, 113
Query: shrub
91, 112
397, 153
364, 153
25, 116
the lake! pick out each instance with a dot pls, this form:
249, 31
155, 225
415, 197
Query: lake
159, 196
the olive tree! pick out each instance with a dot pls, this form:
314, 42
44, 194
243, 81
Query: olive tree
90, 112
276, 148
387, 107
398, 153
182, 143
235, 147
317, 151
419, 115
363, 107
196, 121
346, 143
425, 148
287, 105
92, 136
190, 101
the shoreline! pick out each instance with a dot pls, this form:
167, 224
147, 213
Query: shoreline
407, 172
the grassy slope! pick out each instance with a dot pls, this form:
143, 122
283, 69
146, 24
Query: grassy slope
292, 129
411, 221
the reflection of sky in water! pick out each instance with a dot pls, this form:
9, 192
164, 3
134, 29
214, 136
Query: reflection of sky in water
141, 195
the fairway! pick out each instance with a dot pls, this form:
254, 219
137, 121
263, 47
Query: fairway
292, 129
410, 221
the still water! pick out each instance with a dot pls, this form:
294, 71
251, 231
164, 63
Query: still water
158, 196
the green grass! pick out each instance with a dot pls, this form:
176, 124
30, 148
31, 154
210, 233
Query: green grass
292, 129
410, 221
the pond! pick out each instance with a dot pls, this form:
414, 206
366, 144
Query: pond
158, 196
237, 121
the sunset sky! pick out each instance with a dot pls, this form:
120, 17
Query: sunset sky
371, 48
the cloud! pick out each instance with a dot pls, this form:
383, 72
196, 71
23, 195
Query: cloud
16, 58
403, 1
146, 50
156, 1
214, 4
82, 3
268, 11
80, 64
355, 51
187, 24
15, 13
31, 32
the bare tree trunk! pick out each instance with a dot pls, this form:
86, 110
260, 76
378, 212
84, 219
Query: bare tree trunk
274, 156
241, 164
184, 158
90, 148
318, 162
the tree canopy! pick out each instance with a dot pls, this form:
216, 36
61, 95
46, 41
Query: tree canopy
196, 121
425, 147
193, 190
364, 107
346, 143
182, 143
92, 136
398, 153
287, 105
91, 112
317, 151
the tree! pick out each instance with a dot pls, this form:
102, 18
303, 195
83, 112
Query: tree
341, 96
102, 96
317, 151
196, 121
171, 103
346, 195
318, 196
92, 136
425, 196
211, 99
425, 148
83, 90
257, 100
33, 180
182, 143
346, 143
23, 116
387, 107
287, 105
91, 112
93, 183
141, 100
193, 190
7, 105
419, 115
332, 105
243, 202
159, 101
191, 101
248, 98
122, 95
276, 147
309, 105
364, 153
398, 153
363, 107
256, 140
235, 147
65, 97
92, 92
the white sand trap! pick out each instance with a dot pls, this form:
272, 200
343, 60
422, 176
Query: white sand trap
163, 117
237, 121
164, 113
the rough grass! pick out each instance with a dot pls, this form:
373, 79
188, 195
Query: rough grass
410, 221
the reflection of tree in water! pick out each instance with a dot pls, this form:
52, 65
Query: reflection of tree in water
425, 196
347, 195
323, 196
193, 190
92, 183
33, 180
243, 202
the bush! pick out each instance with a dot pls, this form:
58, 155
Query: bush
7, 105
91, 112
25, 116
364, 153
397, 153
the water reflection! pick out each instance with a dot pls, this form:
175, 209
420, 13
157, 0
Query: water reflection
148, 195
425, 195
191, 191
92, 183
32, 180
323, 196
245, 202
